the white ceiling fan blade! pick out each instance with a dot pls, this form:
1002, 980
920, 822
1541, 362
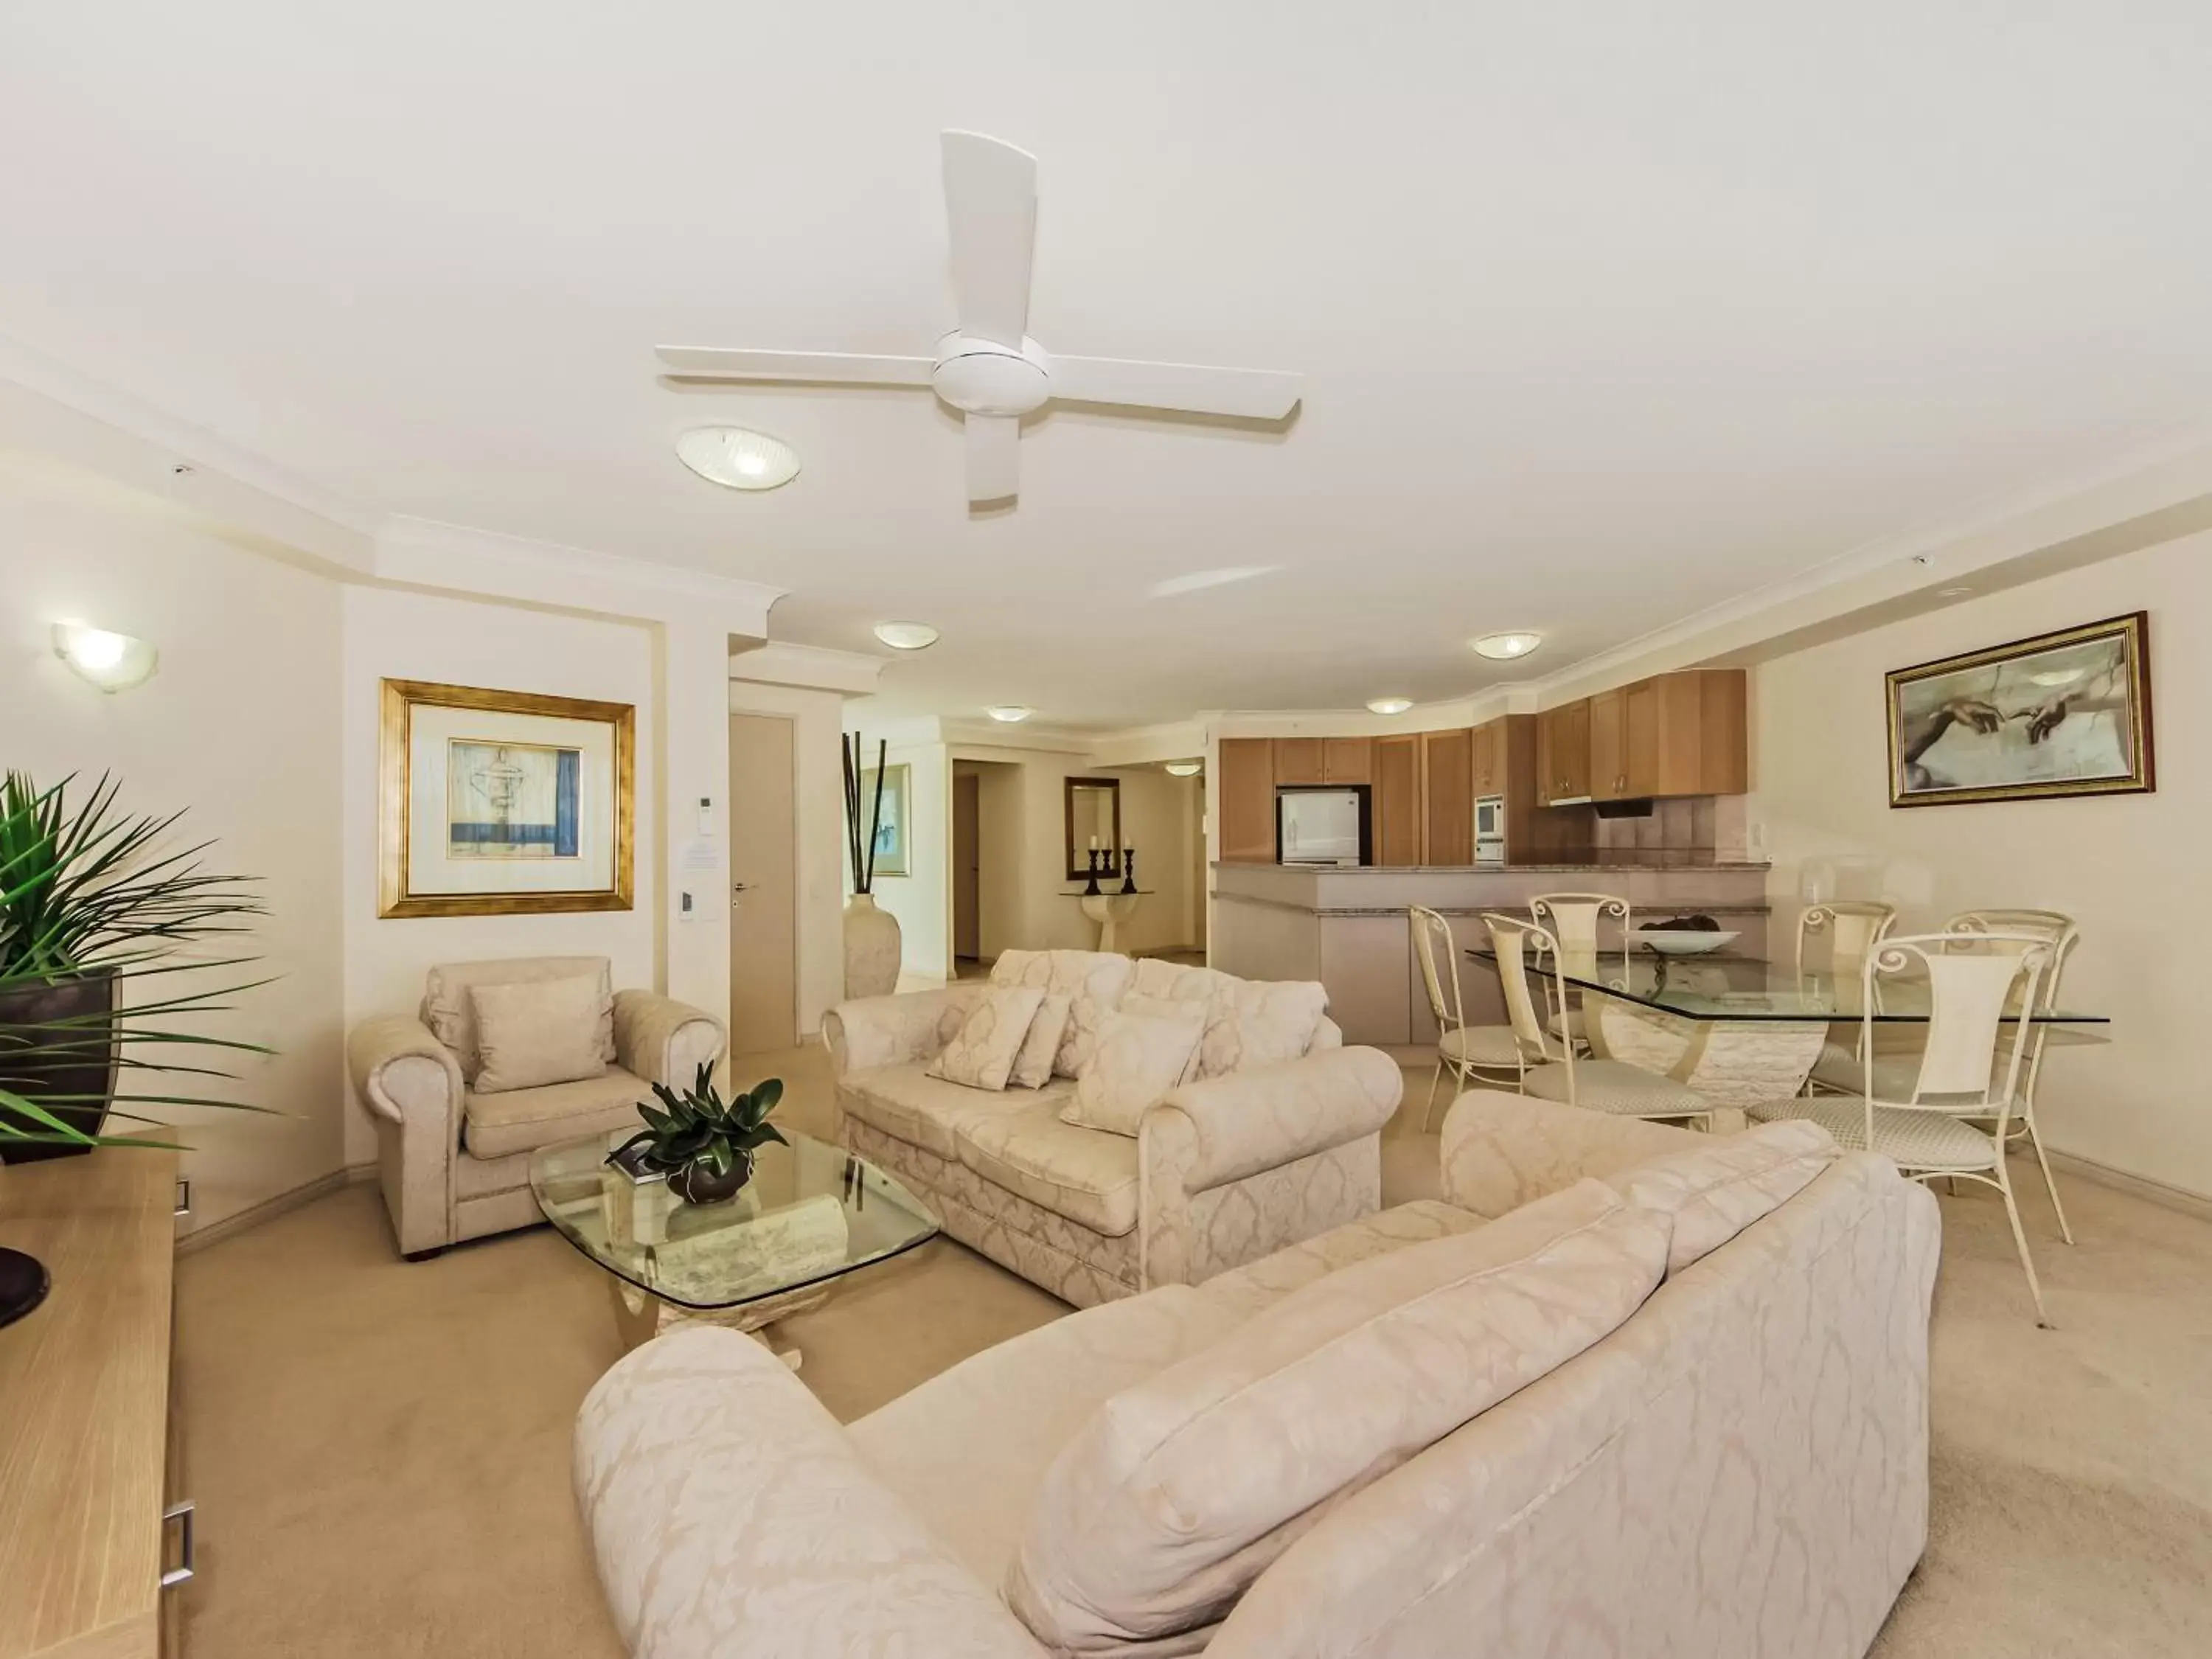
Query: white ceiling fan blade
716, 363
995, 457
1258, 394
990, 207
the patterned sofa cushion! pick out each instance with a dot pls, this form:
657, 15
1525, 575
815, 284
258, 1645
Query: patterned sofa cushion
926, 1111
1713, 1191
1182, 1490
1249, 1022
982, 1055
1088, 1176
1092, 980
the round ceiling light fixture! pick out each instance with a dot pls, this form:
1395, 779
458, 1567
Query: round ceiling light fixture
1009, 713
1388, 705
1504, 647
907, 635
735, 458
1189, 769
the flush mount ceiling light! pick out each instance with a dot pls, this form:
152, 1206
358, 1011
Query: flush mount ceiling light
1185, 768
907, 635
1388, 705
1009, 713
735, 458
1504, 647
113, 662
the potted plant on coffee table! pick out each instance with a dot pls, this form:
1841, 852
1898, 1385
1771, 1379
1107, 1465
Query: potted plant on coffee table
101, 917
703, 1145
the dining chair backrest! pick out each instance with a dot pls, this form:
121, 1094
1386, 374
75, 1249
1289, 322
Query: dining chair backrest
1522, 948
1432, 938
2051, 928
1971, 987
1852, 928
1571, 918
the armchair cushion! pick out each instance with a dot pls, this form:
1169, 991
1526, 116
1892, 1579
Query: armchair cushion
536, 1031
447, 1010
1181, 1490
523, 1120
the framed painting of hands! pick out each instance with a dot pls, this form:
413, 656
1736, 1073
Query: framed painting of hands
2063, 714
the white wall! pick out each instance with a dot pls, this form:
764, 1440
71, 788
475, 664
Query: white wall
922, 898
819, 785
2129, 868
388, 634
236, 725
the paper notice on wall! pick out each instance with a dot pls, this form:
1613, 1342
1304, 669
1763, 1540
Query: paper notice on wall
700, 854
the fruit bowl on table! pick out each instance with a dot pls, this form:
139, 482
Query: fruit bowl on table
1685, 941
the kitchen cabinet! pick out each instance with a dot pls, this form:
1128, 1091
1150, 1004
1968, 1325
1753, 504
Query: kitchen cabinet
1397, 822
1307, 762
1244, 796
1608, 747
1447, 808
1563, 752
1487, 766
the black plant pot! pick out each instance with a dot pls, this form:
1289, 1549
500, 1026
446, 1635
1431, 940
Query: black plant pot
57, 1047
695, 1184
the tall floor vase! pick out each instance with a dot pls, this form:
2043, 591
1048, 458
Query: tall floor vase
872, 948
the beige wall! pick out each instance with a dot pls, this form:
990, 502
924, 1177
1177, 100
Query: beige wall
237, 726
2131, 869
922, 898
405, 636
820, 837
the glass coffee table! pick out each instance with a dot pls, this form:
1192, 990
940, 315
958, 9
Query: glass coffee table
812, 1213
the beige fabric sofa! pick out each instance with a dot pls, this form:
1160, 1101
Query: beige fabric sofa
1739, 1470
454, 1163
1222, 1171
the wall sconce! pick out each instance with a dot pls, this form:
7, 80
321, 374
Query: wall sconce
113, 662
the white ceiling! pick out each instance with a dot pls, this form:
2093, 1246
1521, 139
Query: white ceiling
1610, 311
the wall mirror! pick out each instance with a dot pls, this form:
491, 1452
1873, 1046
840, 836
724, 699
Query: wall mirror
1094, 819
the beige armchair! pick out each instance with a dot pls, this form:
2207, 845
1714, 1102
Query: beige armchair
454, 1162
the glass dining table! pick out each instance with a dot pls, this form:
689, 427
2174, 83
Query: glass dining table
1738, 1030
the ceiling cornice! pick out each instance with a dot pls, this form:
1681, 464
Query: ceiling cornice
813, 667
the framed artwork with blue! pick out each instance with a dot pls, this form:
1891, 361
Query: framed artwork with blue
504, 803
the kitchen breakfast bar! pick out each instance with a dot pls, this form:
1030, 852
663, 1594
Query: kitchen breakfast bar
1346, 926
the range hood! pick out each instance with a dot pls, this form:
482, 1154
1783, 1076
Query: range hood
1640, 808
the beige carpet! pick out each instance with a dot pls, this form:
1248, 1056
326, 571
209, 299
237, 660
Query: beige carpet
379, 1450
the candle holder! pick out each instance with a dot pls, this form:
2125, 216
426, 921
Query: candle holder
1128, 869
1092, 889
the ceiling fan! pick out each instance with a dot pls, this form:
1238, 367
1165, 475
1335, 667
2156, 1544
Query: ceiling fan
987, 368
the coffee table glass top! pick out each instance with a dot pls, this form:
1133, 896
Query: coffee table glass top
811, 1213
1720, 986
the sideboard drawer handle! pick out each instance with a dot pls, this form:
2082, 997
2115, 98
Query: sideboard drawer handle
181, 1514
184, 1195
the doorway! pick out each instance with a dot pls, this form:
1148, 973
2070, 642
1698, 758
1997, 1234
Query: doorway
763, 885
967, 866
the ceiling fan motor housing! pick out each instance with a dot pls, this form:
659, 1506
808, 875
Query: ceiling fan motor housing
981, 377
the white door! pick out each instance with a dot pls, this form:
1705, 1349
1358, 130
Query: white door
763, 886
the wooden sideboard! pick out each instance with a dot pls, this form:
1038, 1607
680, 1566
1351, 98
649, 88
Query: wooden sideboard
87, 1453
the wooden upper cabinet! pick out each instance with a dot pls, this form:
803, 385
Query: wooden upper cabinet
1305, 762
1300, 761
1640, 740
1487, 767
1244, 796
1608, 747
1673, 734
1447, 772
1348, 759
1397, 827
1563, 751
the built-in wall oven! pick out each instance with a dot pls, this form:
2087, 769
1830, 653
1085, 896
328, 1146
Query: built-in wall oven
1490, 829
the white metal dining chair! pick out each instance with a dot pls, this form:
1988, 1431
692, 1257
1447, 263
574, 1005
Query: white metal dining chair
1930, 1123
1486, 1054
1551, 1069
2059, 930
1571, 919
1835, 938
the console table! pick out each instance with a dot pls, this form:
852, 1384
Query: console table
89, 1537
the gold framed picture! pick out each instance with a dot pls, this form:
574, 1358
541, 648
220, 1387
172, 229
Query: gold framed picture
2062, 714
504, 803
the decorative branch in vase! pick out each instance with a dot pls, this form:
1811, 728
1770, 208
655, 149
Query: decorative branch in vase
872, 935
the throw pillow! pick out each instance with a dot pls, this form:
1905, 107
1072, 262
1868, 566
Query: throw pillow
1249, 1022
1033, 1065
1714, 1191
1180, 1490
1137, 1061
1092, 980
982, 1055
532, 1032
1145, 1007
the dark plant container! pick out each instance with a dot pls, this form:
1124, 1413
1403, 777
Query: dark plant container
695, 1184
57, 1047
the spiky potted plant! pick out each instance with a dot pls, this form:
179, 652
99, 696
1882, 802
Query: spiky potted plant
94, 903
703, 1145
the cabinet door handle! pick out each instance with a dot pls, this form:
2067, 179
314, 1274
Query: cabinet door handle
184, 1195
182, 1514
